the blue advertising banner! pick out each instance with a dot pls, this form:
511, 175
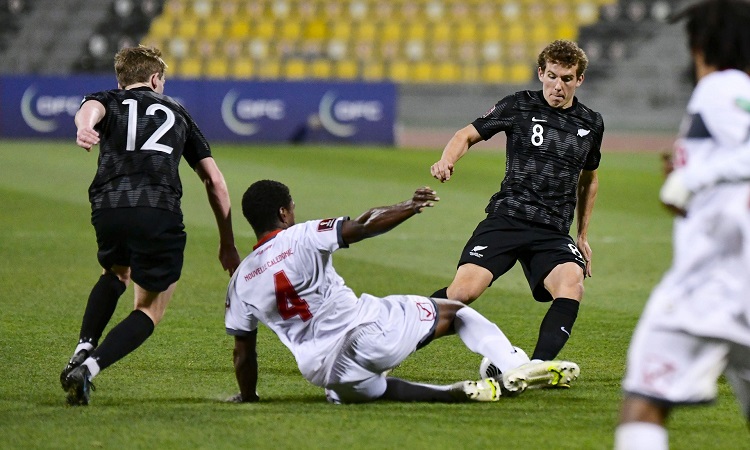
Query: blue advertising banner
228, 111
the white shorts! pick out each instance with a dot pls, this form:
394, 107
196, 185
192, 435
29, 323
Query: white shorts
696, 324
673, 367
371, 349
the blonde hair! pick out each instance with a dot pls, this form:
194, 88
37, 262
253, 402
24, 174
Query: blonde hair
137, 64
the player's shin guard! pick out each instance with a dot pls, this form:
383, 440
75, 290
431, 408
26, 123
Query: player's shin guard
484, 337
556, 328
127, 336
100, 307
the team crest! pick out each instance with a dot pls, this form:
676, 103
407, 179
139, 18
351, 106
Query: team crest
426, 311
326, 225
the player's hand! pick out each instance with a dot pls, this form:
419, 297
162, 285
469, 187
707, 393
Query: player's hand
423, 197
442, 170
87, 138
237, 398
674, 193
229, 258
585, 249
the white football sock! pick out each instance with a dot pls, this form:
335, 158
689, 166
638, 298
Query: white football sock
641, 436
93, 366
484, 337
88, 346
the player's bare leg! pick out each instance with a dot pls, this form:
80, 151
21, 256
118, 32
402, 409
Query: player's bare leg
469, 283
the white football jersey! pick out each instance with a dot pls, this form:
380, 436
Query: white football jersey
288, 283
714, 143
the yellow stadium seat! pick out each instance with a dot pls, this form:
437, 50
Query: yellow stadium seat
291, 30
239, 29
242, 68
346, 69
321, 69
416, 31
566, 31
470, 72
541, 33
263, 29
515, 33
316, 29
269, 69
493, 73
373, 70
447, 72
295, 69
366, 31
190, 67
442, 31
212, 29
217, 67
520, 73
391, 31
490, 32
161, 28
341, 30
467, 32
422, 72
188, 28
399, 71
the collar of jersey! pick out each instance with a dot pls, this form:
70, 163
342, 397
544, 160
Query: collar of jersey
266, 238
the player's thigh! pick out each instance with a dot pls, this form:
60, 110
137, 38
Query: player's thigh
366, 390
110, 226
673, 367
406, 322
494, 246
157, 242
549, 251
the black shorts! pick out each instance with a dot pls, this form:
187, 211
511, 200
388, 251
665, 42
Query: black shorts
151, 241
498, 242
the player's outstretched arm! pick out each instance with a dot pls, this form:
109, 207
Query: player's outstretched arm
384, 218
218, 197
91, 112
453, 151
246, 368
588, 186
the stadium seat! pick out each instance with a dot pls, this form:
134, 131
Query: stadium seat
346, 69
321, 69
295, 69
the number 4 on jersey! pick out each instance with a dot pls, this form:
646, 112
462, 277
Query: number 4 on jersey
287, 299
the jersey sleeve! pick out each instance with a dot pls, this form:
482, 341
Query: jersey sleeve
498, 118
325, 235
595, 154
196, 145
238, 317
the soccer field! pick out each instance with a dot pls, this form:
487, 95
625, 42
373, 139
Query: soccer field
168, 394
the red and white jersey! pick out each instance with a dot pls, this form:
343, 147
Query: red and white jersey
714, 143
288, 283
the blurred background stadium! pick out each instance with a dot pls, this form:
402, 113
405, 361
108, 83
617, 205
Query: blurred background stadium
450, 60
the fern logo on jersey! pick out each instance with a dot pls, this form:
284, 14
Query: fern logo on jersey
475, 251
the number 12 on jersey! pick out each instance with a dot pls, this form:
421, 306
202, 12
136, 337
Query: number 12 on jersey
152, 142
287, 300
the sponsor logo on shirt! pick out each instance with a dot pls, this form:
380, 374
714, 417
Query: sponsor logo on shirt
534, 119
326, 225
475, 251
582, 132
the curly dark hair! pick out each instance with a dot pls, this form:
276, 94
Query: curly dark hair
719, 29
261, 203
566, 53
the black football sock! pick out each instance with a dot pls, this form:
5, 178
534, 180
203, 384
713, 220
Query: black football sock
407, 391
100, 307
555, 328
127, 336
440, 293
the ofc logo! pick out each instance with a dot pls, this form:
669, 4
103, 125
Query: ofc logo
40, 112
334, 114
236, 113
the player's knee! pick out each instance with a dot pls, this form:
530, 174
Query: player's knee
464, 294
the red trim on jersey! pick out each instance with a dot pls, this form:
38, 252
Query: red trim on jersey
266, 238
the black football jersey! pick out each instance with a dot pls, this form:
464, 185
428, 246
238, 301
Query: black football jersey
143, 136
546, 150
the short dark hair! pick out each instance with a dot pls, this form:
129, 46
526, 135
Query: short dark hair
261, 203
566, 53
720, 30
137, 64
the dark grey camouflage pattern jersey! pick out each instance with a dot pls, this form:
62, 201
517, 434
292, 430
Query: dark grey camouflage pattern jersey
143, 136
546, 150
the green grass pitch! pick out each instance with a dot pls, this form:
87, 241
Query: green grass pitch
167, 395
